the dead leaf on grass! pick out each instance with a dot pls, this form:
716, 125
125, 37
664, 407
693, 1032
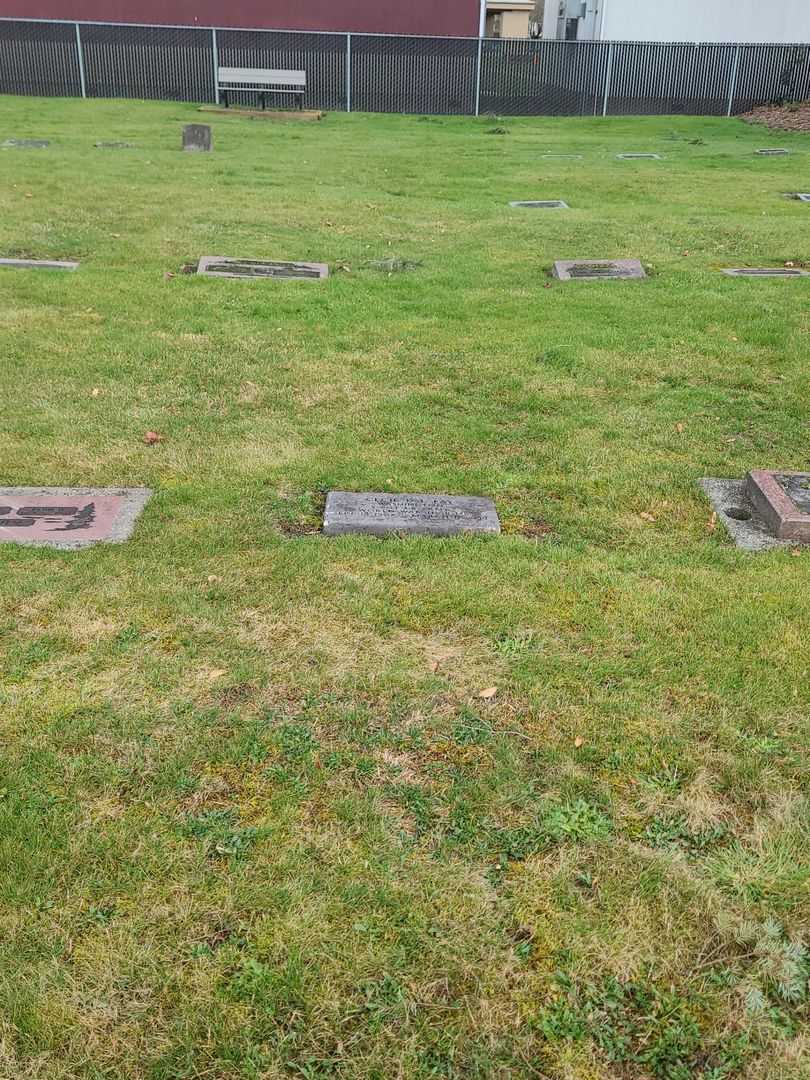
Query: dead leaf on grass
152, 437
489, 693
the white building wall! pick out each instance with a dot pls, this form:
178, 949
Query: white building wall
703, 20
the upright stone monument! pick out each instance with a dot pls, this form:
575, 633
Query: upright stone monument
197, 137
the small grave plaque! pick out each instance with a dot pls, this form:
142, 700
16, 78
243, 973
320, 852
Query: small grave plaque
634, 157
802, 196
69, 517
38, 264
596, 269
768, 509
382, 514
197, 137
782, 500
564, 157
217, 266
113, 146
541, 204
766, 271
26, 144
772, 151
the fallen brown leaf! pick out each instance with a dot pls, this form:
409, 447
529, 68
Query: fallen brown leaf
711, 525
579, 741
152, 437
646, 517
489, 693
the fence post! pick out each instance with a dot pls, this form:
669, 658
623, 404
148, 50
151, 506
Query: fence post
478, 79
215, 58
734, 72
348, 73
80, 54
608, 74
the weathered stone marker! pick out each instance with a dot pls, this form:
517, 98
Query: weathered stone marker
772, 151
26, 144
69, 517
766, 271
197, 137
802, 196
765, 510
564, 157
541, 204
218, 266
38, 264
782, 500
113, 146
634, 157
597, 269
382, 514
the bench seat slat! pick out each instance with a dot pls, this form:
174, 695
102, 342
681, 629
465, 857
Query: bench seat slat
262, 77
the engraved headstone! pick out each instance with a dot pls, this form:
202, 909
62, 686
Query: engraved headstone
197, 137
767, 509
541, 204
26, 144
218, 266
69, 517
597, 269
766, 271
38, 264
382, 514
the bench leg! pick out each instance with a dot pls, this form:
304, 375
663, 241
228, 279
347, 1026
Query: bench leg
264, 102
225, 95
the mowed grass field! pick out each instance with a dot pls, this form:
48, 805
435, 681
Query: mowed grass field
257, 820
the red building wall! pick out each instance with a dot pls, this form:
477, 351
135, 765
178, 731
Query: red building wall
453, 18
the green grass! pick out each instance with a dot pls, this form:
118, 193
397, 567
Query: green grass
256, 821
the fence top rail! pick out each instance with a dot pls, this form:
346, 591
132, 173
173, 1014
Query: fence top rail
418, 37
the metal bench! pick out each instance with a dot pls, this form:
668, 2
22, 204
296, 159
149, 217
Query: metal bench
262, 81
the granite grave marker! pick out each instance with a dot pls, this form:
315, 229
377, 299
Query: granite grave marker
767, 509
38, 264
541, 204
218, 266
766, 271
69, 518
26, 144
597, 269
384, 514
197, 137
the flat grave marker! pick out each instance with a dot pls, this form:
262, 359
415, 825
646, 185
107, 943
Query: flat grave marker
197, 138
219, 266
635, 157
26, 144
772, 151
802, 196
69, 518
597, 269
114, 146
38, 264
541, 204
564, 157
376, 513
765, 271
767, 509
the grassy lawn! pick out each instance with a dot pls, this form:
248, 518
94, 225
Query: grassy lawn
256, 820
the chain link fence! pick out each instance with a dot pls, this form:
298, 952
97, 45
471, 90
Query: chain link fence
387, 73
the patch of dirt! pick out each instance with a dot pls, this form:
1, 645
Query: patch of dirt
792, 117
298, 528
